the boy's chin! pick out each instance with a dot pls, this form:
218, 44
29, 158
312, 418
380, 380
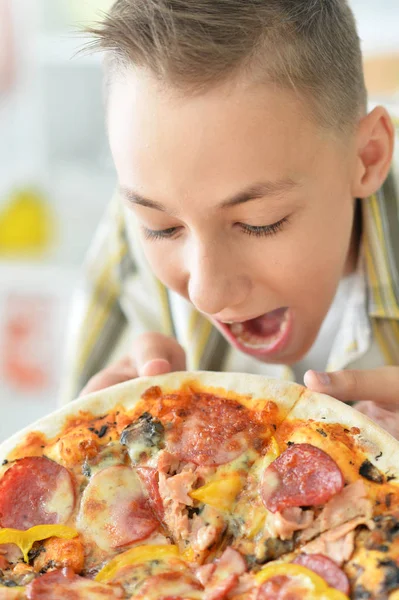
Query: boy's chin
292, 354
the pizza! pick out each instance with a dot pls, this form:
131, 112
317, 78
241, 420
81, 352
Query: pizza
200, 486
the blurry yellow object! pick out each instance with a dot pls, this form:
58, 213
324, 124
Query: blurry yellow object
137, 555
25, 539
26, 224
221, 493
315, 587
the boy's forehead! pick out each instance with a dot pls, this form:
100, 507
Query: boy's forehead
256, 132
142, 101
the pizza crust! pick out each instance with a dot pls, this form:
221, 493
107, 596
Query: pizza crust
375, 441
293, 400
128, 394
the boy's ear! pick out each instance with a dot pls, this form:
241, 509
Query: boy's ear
375, 143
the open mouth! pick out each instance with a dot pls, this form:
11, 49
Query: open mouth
263, 335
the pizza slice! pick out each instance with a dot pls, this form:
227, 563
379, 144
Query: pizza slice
327, 501
192, 450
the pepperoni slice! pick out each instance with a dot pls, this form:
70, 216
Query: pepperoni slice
35, 491
65, 584
209, 430
150, 479
303, 475
327, 569
114, 510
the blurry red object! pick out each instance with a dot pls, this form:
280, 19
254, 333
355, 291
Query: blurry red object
28, 344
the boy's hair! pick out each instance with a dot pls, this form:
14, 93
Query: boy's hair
311, 46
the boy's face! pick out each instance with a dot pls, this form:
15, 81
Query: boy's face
245, 206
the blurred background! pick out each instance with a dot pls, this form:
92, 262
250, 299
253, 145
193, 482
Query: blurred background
56, 177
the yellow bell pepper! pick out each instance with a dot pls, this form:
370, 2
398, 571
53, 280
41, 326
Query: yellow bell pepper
188, 555
135, 556
25, 539
273, 451
220, 493
315, 586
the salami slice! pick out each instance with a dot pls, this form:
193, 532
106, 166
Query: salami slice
150, 480
65, 584
327, 569
303, 475
114, 510
46, 489
211, 430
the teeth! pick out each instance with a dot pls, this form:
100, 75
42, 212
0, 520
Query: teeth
254, 342
237, 328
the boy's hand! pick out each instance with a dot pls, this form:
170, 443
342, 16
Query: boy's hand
375, 390
152, 354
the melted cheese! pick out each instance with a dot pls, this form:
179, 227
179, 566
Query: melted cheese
62, 500
106, 502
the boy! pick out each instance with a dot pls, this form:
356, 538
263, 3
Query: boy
253, 230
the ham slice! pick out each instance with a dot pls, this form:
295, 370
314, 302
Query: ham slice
339, 549
204, 572
167, 462
176, 519
225, 576
203, 534
350, 505
177, 488
283, 525
173, 491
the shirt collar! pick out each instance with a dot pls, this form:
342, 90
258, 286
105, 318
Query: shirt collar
381, 251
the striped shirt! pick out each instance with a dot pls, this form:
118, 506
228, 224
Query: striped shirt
119, 298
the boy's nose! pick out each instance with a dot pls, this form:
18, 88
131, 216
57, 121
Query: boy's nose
214, 287
215, 298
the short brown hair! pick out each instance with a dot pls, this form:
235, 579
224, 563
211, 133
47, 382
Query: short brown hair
311, 46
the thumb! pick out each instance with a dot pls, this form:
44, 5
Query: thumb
376, 385
156, 354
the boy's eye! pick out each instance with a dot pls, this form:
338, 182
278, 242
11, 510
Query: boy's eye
160, 234
257, 231
262, 231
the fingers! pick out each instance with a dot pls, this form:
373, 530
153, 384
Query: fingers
152, 354
156, 354
383, 417
158, 366
375, 385
117, 373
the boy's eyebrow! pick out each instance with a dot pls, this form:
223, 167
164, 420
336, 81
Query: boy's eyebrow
261, 190
254, 192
